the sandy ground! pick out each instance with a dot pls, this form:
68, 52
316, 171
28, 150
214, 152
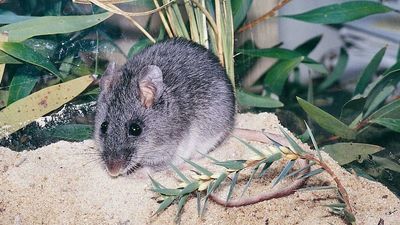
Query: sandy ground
65, 183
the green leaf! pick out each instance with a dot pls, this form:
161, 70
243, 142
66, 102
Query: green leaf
180, 174
198, 167
373, 102
45, 25
232, 164
292, 143
337, 71
283, 173
268, 162
254, 171
250, 147
278, 53
233, 183
294, 173
251, 100
216, 183
167, 191
366, 75
181, 203
386, 111
24, 53
313, 141
25, 110
313, 173
344, 153
155, 183
351, 111
392, 124
341, 13
138, 46
165, 204
22, 83
278, 74
7, 59
71, 132
387, 163
308, 46
327, 121
239, 11
189, 188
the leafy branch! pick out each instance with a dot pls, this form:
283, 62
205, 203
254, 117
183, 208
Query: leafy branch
205, 183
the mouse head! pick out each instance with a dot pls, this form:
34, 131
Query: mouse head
130, 108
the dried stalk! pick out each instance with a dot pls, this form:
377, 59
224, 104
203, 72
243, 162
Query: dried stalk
163, 20
266, 16
339, 184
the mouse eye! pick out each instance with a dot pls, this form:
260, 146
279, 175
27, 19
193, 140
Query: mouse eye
104, 127
134, 129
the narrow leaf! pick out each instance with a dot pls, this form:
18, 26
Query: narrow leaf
198, 167
251, 100
233, 183
254, 171
278, 74
45, 25
27, 54
342, 12
313, 141
327, 121
250, 147
386, 110
337, 71
232, 164
190, 188
167, 191
22, 112
179, 173
366, 75
22, 83
165, 204
392, 124
313, 173
293, 143
283, 173
181, 203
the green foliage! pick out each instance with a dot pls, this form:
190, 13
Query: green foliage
342, 12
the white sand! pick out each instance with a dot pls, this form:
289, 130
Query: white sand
65, 183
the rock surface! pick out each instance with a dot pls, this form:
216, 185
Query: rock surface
65, 183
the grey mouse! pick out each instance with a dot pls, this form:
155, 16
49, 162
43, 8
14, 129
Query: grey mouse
170, 101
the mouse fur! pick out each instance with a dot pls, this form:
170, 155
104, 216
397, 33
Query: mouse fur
176, 94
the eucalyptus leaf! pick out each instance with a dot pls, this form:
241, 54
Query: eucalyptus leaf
7, 59
71, 132
341, 13
366, 75
24, 53
24, 111
344, 153
252, 100
327, 121
22, 83
45, 25
337, 71
308, 46
387, 110
387, 163
239, 11
278, 74
138, 46
392, 124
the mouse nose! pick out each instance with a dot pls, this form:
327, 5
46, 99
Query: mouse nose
114, 167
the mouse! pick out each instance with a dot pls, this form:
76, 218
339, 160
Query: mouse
171, 101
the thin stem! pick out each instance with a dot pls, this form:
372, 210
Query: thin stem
163, 20
264, 17
339, 184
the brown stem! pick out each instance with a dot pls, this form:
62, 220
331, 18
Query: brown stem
277, 193
339, 184
252, 135
266, 16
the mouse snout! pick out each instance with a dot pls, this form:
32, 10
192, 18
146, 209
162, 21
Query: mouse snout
116, 162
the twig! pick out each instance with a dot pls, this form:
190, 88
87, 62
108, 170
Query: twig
266, 16
339, 184
252, 135
278, 193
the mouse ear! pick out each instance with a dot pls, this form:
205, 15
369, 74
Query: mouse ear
106, 78
150, 85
